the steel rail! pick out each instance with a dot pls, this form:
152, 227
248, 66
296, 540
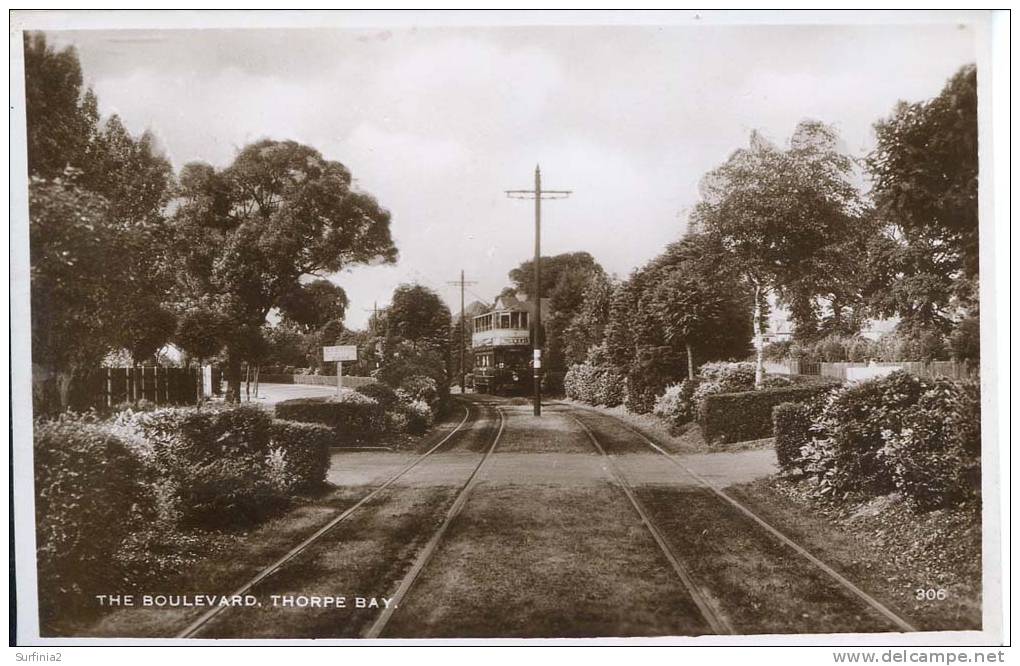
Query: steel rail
205, 618
712, 615
426, 553
875, 604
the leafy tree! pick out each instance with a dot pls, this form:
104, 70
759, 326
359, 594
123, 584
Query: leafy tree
62, 116
925, 174
553, 269
965, 340
564, 280
310, 306
684, 301
95, 206
779, 213
588, 326
74, 251
419, 316
688, 311
244, 236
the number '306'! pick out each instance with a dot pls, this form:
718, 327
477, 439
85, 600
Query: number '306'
930, 594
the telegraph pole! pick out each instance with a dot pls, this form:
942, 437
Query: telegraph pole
375, 316
462, 283
373, 330
538, 194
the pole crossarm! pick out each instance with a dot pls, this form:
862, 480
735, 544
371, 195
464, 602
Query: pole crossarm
545, 194
537, 194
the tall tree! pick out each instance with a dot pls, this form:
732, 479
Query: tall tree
564, 280
588, 326
96, 201
778, 213
925, 186
62, 115
553, 269
244, 236
309, 306
418, 315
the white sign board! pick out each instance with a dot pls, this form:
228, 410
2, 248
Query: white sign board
870, 372
340, 353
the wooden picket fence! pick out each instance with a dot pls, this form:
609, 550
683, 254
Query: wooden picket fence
161, 386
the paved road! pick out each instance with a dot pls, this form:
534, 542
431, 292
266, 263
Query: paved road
270, 394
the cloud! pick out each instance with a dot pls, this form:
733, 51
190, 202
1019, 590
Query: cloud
438, 122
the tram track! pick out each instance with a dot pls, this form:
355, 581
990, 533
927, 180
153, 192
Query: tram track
712, 615
194, 628
428, 551
892, 617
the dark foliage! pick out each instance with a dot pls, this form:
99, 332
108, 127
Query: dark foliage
91, 494
381, 393
854, 421
791, 426
354, 418
737, 417
306, 452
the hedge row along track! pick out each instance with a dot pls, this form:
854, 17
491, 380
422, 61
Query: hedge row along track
894, 618
198, 624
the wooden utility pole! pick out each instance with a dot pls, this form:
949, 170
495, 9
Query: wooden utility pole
462, 283
538, 194
375, 316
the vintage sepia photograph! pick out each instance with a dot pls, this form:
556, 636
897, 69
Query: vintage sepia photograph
424, 325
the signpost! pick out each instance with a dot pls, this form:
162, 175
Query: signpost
340, 353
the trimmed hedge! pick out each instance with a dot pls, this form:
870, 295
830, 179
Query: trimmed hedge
305, 447
738, 417
355, 419
791, 426
90, 496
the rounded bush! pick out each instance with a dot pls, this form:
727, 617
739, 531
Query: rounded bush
854, 418
211, 465
419, 417
381, 393
676, 405
935, 456
421, 387
91, 494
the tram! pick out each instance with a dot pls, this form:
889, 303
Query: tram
501, 347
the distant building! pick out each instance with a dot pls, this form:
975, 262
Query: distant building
779, 329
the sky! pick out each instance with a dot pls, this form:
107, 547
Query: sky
437, 122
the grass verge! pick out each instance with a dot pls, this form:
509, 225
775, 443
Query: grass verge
886, 548
539, 561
